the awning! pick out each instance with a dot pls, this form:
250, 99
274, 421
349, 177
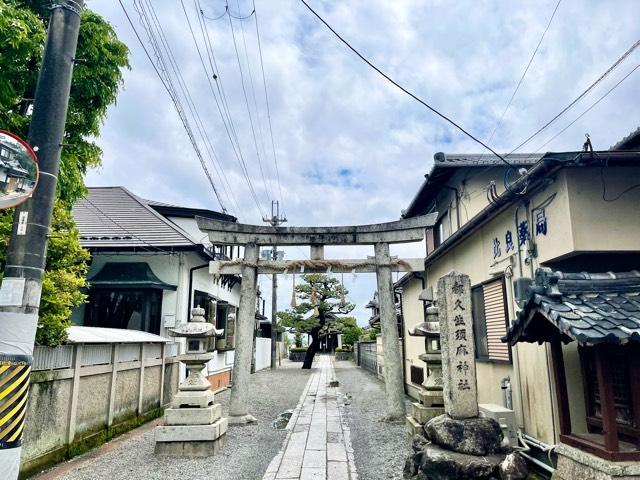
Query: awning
127, 275
590, 308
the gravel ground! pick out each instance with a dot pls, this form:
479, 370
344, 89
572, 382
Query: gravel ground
247, 452
380, 448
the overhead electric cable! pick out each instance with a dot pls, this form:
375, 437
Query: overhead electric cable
246, 99
238, 152
182, 118
392, 81
255, 101
164, 45
589, 109
515, 91
579, 97
216, 75
266, 100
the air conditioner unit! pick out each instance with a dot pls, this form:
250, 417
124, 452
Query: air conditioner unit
505, 417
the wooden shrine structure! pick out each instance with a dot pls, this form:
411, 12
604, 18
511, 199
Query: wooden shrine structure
252, 237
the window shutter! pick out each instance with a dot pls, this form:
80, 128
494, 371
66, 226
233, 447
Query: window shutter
496, 320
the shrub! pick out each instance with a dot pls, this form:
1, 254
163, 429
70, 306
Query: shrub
298, 349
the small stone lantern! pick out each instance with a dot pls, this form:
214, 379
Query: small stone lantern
431, 402
193, 424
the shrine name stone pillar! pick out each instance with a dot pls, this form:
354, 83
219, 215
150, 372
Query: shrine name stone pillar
238, 403
393, 379
458, 348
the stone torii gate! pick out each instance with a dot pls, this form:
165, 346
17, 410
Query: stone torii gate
252, 237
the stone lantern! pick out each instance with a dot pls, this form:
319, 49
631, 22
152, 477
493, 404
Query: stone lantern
431, 402
193, 425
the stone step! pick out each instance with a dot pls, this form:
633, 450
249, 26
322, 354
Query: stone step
193, 416
413, 427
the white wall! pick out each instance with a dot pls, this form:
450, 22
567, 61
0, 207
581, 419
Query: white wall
263, 353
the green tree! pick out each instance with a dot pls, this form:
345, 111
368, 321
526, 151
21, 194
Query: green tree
322, 298
350, 329
96, 81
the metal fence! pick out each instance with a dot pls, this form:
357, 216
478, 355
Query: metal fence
367, 356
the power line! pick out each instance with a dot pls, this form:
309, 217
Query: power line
515, 91
253, 93
579, 97
213, 157
217, 76
239, 152
246, 99
266, 99
588, 109
412, 95
176, 105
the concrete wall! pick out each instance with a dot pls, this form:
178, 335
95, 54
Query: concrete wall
413, 313
75, 408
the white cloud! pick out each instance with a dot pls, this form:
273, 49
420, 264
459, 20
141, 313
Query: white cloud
333, 114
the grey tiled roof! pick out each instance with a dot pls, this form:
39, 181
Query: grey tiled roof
113, 217
481, 159
587, 307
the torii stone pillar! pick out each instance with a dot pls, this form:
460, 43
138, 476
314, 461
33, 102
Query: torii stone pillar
253, 236
393, 378
238, 406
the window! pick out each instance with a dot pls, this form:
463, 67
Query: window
620, 373
220, 318
124, 308
442, 229
490, 321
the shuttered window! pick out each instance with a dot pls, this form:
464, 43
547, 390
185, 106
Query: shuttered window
496, 320
490, 321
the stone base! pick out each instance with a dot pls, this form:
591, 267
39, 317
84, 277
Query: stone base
190, 449
436, 463
193, 416
423, 414
191, 433
473, 436
241, 419
198, 399
431, 398
413, 427
574, 463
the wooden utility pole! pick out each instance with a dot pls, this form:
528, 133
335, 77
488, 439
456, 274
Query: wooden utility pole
26, 253
274, 221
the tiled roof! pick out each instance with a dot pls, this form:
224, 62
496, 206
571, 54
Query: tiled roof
587, 307
480, 159
113, 217
630, 142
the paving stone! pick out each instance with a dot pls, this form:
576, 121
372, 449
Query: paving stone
338, 471
314, 459
313, 474
336, 452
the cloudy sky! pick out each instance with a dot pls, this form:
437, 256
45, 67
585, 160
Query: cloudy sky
350, 147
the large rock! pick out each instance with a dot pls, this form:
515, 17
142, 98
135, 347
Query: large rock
432, 462
474, 436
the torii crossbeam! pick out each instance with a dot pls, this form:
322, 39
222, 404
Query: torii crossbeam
379, 235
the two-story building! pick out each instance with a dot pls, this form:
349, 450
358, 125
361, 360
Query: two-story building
520, 228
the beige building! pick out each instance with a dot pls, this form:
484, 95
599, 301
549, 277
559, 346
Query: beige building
500, 224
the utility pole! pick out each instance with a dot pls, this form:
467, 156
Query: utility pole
26, 253
274, 221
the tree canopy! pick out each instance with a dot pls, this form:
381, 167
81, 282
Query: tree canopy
95, 84
319, 299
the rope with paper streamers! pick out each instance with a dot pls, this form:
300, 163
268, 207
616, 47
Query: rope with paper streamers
302, 265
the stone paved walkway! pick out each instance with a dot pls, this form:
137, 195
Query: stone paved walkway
318, 445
